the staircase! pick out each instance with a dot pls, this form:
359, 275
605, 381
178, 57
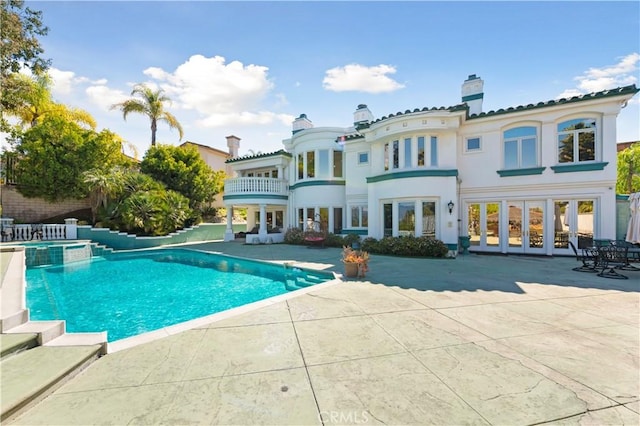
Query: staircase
36, 357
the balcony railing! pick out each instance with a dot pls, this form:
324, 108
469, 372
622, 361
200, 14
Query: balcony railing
255, 185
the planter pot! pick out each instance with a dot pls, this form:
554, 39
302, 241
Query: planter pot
351, 270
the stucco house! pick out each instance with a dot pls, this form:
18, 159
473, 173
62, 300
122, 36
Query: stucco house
524, 179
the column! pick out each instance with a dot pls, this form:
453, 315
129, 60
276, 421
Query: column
263, 223
228, 233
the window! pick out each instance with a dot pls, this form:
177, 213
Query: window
472, 144
434, 151
407, 216
359, 216
386, 157
363, 158
421, 151
520, 147
407, 153
396, 154
311, 164
337, 164
577, 140
429, 218
323, 163
300, 166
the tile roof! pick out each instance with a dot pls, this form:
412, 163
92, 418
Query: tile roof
562, 101
252, 157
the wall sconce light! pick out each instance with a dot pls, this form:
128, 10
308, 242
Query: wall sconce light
450, 205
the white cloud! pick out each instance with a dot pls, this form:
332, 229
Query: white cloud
359, 78
609, 77
223, 94
104, 97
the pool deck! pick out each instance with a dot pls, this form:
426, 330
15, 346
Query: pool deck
473, 340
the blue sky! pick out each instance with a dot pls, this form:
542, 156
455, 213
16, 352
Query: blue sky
250, 68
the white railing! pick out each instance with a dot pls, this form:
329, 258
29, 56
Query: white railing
255, 185
32, 232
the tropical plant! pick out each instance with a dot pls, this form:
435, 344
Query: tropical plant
149, 102
103, 185
629, 170
182, 169
36, 102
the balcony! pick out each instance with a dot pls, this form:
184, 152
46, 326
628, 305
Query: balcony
255, 186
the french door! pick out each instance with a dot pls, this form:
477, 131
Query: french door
526, 227
483, 221
573, 221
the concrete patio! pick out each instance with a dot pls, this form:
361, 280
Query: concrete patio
473, 340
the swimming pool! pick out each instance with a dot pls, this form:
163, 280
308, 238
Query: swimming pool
127, 294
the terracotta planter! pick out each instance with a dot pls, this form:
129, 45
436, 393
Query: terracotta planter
351, 270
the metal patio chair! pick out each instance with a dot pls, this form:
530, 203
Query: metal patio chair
589, 259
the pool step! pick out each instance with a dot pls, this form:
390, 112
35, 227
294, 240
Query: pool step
31, 375
13, 320
45, 330
12, 344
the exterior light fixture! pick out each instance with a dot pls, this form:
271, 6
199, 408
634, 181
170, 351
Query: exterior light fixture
450, 205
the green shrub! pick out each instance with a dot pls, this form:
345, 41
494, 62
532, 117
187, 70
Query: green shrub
409, 246
294, 236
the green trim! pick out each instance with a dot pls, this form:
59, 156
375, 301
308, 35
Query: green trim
249, 196
521, 172
413, 174
622, 197
317, 183
355, 231
579, 167
452, 247
472, 97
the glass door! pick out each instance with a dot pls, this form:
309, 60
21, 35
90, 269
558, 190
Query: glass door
526, 227
574, 221
483, 225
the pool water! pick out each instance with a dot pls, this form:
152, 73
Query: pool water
127, 294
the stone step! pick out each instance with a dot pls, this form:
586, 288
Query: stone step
81, 339
13, 320
32, 375
11, 344
46, 330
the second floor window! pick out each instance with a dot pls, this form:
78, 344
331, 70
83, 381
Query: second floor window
520, 147
577, 140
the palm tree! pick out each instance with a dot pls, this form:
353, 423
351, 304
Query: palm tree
36, 102
150, 103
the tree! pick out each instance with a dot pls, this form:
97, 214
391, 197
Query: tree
54, 154
150, 103
36, 102
20, 28
103, 185
183, 170
629, 170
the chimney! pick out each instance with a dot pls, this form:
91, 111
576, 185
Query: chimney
362, 116
472, 93
233, 142
301, 123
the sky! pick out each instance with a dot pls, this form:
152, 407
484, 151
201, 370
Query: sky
250, 68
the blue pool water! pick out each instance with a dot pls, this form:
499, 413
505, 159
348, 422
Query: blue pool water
127, 294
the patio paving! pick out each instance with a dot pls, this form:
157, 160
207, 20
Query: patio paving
473, 340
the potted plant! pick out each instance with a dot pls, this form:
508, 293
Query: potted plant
356, 262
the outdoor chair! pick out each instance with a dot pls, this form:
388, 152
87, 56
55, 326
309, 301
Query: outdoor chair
631, 252
610, 258
7, 233
589, 259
